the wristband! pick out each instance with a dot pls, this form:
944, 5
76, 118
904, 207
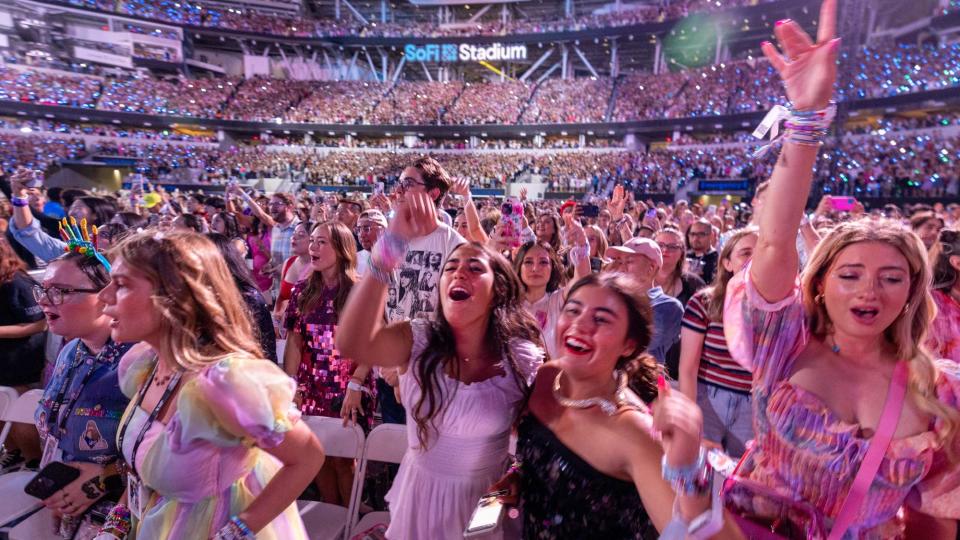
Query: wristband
353, 385
235, 529
388, 252
117, 522
19, 202
805, 128
694, 479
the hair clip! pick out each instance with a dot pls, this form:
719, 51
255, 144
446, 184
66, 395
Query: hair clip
79, 240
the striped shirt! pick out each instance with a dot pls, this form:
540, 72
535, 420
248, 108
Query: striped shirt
717, 367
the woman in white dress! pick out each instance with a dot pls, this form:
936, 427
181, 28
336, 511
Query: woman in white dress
464, 377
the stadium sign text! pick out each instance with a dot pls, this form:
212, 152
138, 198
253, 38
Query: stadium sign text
465, 52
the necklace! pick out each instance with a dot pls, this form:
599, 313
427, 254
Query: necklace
607, 406
833, 346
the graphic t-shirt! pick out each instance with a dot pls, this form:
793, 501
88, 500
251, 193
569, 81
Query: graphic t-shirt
414, 291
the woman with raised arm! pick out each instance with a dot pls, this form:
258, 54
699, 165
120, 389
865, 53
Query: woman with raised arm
463, 378
211, 442
833, 355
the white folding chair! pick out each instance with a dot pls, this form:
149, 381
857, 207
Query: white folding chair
16, 503
387, 443
7, 398
323, 520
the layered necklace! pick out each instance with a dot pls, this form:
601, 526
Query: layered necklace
607, 406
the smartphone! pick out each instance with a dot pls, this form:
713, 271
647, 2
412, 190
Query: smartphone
511, 212
842, 204
486, 516
35, 180
651, 214
588, 210
378, 188
54, 477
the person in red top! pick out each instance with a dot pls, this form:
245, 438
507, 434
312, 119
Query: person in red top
708, 375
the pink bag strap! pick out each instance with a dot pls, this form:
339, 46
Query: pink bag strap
878, 448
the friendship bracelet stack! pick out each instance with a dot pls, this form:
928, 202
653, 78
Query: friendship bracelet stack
805, 128
386, 254
117, 523
79, 240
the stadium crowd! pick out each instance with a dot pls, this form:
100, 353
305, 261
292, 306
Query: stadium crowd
729, 88
524, 367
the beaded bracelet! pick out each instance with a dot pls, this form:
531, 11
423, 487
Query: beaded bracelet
805, 128
20, 202
694, 479
117, 522
389, 251
235, 529
515, 467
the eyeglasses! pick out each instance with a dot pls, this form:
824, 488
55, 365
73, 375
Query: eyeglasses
54, 295
671, 247
368, 228
407, 183
699, 234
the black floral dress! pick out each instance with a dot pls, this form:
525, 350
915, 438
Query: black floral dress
564, 497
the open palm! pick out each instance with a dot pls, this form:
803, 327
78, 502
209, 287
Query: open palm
808, 69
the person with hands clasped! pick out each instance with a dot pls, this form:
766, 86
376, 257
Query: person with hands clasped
593, 461
855, 425
463, 377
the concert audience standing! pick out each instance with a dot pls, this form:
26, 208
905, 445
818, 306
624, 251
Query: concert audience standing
701, 256
707, 373
229, 408
323, 373
641, 259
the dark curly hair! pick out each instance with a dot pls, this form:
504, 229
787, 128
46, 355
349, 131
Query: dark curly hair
508, 321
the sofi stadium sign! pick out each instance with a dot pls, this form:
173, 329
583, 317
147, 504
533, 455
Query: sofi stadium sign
464, 52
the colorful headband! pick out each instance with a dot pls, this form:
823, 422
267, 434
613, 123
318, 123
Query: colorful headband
80, 241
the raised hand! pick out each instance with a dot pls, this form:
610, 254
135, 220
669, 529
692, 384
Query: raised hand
461, 187
523, 194
617, 202
416, 216
808, 69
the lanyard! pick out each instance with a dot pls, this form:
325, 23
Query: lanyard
171, 386
55, 418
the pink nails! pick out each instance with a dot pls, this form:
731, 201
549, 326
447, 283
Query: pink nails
781, 22
661, 382
835, 44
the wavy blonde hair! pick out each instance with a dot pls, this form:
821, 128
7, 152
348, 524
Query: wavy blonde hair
202, 315
908, 331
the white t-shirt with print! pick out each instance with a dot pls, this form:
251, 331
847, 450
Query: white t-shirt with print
414, 291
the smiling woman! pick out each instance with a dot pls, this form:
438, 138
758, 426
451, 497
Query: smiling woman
463, 377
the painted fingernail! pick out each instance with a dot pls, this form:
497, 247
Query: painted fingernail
781, 22
661, 382
765, 43
835, 44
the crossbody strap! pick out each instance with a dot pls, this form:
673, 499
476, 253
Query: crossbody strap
878, 448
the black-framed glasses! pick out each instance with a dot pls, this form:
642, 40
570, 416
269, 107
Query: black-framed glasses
55, 295
408, 182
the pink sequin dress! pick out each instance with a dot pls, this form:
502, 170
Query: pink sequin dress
804, 451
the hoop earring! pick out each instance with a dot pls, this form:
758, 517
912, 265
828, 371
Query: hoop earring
818, 299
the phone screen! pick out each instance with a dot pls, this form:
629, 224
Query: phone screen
486, 515
842, 204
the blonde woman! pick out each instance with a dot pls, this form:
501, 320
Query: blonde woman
211, 440
824, 354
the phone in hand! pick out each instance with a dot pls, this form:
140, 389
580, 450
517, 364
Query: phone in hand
512, 217
486, 516
588, 210
54, 477
843, 204
378, 188
34, 180
651, 214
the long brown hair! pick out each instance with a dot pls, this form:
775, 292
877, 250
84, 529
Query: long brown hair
346, 249
202, 315
10, 263
908, 332
718, 290
944, 274
558, 274
508, 321
640, 366
677, 271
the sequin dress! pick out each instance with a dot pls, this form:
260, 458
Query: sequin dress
323, 374
563, 496
804, 451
